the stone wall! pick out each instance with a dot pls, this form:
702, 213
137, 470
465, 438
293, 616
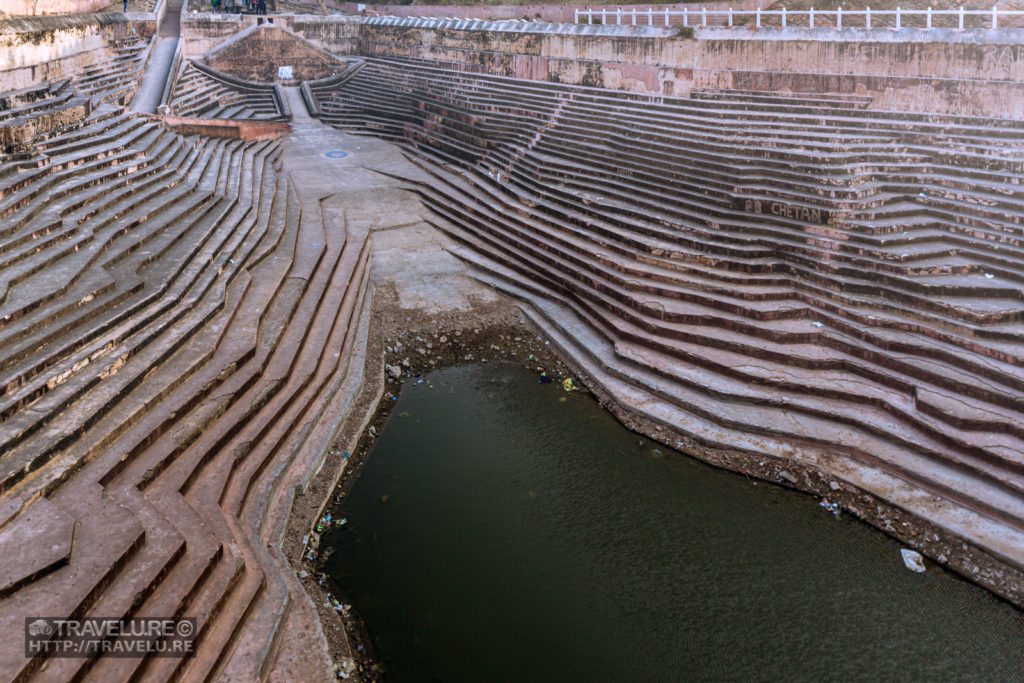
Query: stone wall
36, 49
232, 130
29, 8
976, 72
971, 72
258, 52
18, 136
203, 32
564, 14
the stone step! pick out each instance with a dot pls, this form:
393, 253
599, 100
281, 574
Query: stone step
955, 353
200, 93
107, 537
980, 494
34, 544
592, 357
562, 272
206, 264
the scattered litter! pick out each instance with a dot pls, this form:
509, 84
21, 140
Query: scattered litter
341, 522
544, 379
913, 560
567, 384
346, 455
831, 507
818, 324
989, 276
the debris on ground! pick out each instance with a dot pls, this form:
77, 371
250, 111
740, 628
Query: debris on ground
831, 507
913, 560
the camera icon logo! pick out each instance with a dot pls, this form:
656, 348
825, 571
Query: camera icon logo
40, 627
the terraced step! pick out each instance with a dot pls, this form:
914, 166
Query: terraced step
203, 92
817, 274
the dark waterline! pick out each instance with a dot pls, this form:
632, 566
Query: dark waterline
504, 530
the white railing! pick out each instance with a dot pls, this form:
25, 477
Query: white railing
860, 18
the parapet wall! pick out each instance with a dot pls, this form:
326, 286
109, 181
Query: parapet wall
35, 49
560, 14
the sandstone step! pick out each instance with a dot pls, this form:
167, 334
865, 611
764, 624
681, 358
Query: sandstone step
623, 314
35, 543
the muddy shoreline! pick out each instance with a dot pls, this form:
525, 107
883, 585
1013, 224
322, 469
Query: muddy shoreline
417, 343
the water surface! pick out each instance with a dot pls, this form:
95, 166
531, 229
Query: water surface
504, 530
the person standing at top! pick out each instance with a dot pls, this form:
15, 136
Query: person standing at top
126, 6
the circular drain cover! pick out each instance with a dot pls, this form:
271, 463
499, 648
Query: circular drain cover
336, 154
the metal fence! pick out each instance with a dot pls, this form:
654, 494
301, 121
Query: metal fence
866, 18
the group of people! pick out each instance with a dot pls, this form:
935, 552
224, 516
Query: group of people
250, 6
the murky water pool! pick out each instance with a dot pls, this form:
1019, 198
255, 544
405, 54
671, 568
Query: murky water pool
504, 530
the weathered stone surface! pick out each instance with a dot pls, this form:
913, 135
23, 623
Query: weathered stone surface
972, 72
257, 53
756, 273
19, 8
38, 541
756, 277
34, 49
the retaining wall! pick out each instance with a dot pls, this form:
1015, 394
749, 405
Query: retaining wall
202, 32
970, 72
977, 72
255, 55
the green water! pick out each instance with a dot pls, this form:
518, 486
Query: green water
506, 531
